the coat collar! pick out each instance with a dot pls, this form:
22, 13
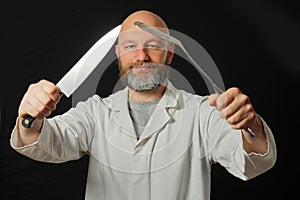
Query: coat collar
118, 104
118, 100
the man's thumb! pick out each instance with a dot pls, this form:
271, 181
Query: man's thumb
213, 99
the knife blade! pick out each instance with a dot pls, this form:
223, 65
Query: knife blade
174, 40
83, 68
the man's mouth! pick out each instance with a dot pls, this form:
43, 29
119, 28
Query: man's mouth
142, 69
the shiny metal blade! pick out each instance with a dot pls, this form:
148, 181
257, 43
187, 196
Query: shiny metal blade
174, 40
87, 63
157, 33
83, 68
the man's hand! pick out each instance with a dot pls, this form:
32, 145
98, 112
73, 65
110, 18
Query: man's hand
39, 100
236, 108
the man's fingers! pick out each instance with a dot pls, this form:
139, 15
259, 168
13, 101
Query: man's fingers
242, 118
245, 122
51, 90
213, 99
231, 109
29, 109
223, 100
219, 101
40, 100
46, 101
235, 107
237, 117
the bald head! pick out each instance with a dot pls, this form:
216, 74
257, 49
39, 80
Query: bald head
144, 16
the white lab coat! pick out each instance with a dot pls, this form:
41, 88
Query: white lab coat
172, 159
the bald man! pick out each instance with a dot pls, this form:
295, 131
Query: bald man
149, 140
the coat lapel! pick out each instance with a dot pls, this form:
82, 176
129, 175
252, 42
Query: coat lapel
121, 113
160, 117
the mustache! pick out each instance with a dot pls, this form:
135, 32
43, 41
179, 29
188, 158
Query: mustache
142, 64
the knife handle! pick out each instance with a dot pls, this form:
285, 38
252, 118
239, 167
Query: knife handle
27, 121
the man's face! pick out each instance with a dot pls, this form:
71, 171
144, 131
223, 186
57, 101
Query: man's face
143, 60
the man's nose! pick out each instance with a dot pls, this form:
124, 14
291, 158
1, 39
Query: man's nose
141, 54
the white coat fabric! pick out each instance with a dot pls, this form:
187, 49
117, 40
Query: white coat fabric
172, 159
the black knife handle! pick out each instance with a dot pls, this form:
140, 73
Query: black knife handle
27, 121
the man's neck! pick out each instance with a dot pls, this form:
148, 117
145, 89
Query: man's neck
145, 96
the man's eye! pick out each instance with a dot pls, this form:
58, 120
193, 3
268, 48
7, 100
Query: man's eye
152, 46
129, 46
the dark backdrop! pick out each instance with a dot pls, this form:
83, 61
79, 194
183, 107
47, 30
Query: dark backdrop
255, 45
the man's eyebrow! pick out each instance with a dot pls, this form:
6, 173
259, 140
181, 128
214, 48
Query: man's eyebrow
128, 41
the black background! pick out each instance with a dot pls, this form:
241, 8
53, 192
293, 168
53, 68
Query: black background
255, 45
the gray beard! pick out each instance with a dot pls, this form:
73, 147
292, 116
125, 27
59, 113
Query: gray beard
149, 82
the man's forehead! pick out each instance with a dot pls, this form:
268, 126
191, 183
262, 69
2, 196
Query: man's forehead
137, 35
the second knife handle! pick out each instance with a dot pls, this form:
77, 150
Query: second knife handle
28, 121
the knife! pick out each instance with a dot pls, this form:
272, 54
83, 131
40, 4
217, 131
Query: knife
174, 40
83, 68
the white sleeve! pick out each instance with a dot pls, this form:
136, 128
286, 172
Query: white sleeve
226, 148
256, 163
53, 145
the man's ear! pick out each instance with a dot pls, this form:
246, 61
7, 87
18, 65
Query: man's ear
117, 51
170, 53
